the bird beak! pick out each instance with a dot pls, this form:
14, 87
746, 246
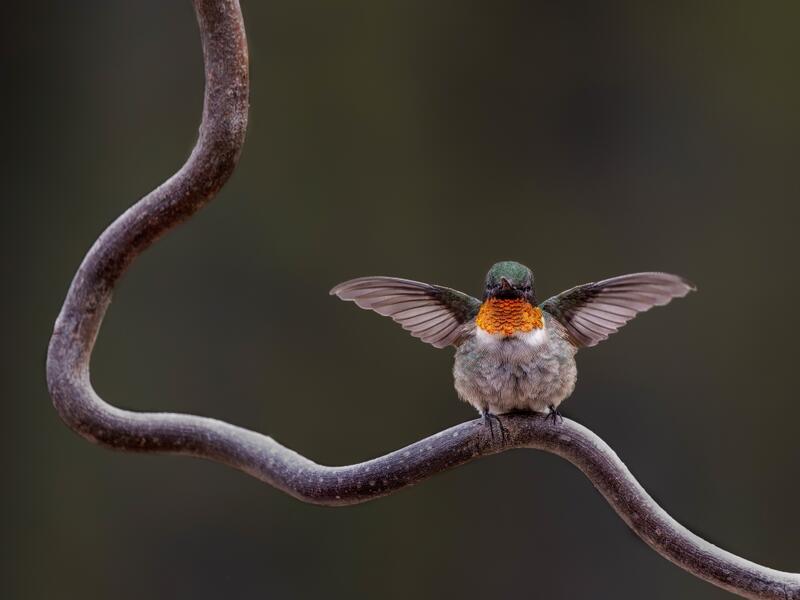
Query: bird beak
505, 284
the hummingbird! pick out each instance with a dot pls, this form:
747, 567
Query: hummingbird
514, 354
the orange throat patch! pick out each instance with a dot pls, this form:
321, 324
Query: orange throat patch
509, 316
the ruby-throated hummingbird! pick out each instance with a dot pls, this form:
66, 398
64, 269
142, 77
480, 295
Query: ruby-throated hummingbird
513, 354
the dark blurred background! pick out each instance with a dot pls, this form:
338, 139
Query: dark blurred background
424, 140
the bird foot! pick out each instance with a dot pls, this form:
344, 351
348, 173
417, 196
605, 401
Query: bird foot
554, 414
489, 418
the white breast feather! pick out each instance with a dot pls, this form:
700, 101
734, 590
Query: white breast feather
534, 337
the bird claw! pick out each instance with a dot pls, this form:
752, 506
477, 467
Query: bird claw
554, 414
488, 418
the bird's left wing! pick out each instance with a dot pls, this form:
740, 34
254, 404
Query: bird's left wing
593, 311
433, 313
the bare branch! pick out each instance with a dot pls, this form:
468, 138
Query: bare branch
209, 166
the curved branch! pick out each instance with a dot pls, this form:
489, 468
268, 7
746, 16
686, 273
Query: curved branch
209, 166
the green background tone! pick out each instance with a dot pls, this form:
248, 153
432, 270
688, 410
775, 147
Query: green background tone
424, 140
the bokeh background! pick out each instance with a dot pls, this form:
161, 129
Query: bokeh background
425, 140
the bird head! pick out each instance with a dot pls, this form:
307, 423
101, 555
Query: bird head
509, 280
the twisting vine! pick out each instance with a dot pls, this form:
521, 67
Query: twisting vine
210, 164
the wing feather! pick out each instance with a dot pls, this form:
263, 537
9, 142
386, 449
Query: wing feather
593, 311
426, 318
435, 314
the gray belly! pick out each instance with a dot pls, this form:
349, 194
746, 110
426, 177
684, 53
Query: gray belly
510, 374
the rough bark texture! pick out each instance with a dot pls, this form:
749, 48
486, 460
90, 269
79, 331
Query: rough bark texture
209, 166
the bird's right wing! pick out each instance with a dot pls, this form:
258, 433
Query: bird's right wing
435, 314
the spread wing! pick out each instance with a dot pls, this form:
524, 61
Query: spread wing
433, 313
593, 311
